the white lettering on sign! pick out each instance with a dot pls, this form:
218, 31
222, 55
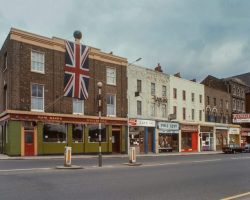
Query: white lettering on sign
234, 131
168, 126
141, 122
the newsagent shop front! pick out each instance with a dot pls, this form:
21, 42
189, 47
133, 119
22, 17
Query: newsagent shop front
168, 137
29, 134
142, 135
189, 138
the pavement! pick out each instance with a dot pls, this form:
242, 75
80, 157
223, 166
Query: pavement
6, 157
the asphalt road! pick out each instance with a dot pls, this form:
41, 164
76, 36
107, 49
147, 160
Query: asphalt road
193, 177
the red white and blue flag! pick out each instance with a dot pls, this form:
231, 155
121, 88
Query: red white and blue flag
76, 71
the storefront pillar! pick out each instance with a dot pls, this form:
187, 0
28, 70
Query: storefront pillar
146, 140
153, 141
199, 139
214, 135
179, 139
156, 141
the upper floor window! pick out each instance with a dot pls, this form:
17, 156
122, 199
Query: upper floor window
183, 95
184, 113
214, 101
242, 93
221, 103
192, 97
193, 114
5, 64
111, 76
37, 97
152, 109
175, 93
208, 100
238, 92
138, 85
175, 111
139, 108
234, 104
78, 106
164, 111
200, 115
200, 98
37, 61
164, 91
152, 89
111, 106
234, 90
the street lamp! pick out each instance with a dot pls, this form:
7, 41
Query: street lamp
99, 85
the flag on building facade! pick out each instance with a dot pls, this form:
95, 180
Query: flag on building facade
76, 71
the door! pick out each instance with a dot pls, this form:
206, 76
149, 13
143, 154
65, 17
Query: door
150, 142
194, 141
29, 143
116, 142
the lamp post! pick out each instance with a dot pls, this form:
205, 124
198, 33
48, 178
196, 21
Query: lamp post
99, 84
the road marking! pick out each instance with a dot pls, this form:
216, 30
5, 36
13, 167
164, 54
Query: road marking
201, 161
237, 196
240, 158
28, 169
159, 164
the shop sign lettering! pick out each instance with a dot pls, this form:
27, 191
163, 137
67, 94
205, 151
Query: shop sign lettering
234, 131
241, 118
189, 128
168, 126
141, 122
160, 99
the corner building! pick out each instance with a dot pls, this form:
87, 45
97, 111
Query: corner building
35, 117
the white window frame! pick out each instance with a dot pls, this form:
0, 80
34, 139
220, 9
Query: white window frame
140, 102
38, 110
76, 102
152, 89
109, 105
152, 110
111, 77
164, 110
36, 61
164, 90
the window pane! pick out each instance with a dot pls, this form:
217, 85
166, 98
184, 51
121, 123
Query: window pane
78, 132
54, 133
37, 61
94, 133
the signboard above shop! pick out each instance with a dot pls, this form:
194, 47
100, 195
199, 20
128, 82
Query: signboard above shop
169, 126
241, 118
141, 122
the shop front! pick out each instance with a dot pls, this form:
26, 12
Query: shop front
221, 134
245, 136
168, 137
234, 135
142, 135
189, 138
31, 134
207, 138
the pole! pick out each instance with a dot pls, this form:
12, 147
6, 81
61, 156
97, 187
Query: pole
99, 84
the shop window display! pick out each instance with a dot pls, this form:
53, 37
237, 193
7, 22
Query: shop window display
54, 133
94, 133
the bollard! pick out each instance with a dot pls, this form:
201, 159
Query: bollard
67, 156
132, 155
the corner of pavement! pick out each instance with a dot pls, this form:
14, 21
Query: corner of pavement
6, 157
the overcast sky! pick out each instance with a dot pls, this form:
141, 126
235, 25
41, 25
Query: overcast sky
194, 37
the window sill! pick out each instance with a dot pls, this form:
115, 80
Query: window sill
39, 72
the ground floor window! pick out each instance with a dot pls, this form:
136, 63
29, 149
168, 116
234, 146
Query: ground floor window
186, 140
168, 142
207, 141
54, 133
94, 133
221, 139
136, 138
77, 133
233, 139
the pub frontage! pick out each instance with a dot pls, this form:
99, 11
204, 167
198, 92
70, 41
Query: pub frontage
27, 133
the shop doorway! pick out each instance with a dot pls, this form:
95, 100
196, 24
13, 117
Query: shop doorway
189, 141
116, 141
29, 143
221, 140
207, 141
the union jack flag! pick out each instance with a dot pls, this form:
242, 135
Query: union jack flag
76, 71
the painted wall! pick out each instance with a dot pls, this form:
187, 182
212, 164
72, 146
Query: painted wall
190, 87
147, 76
13, 147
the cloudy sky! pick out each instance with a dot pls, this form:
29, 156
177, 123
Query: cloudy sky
194, 37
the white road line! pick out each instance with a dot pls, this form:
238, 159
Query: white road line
237, 196
159, 164
28, 169
238, 158
201, 161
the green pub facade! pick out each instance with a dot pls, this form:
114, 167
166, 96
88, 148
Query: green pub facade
35, 116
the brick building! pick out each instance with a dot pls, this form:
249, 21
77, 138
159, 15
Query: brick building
35, 117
